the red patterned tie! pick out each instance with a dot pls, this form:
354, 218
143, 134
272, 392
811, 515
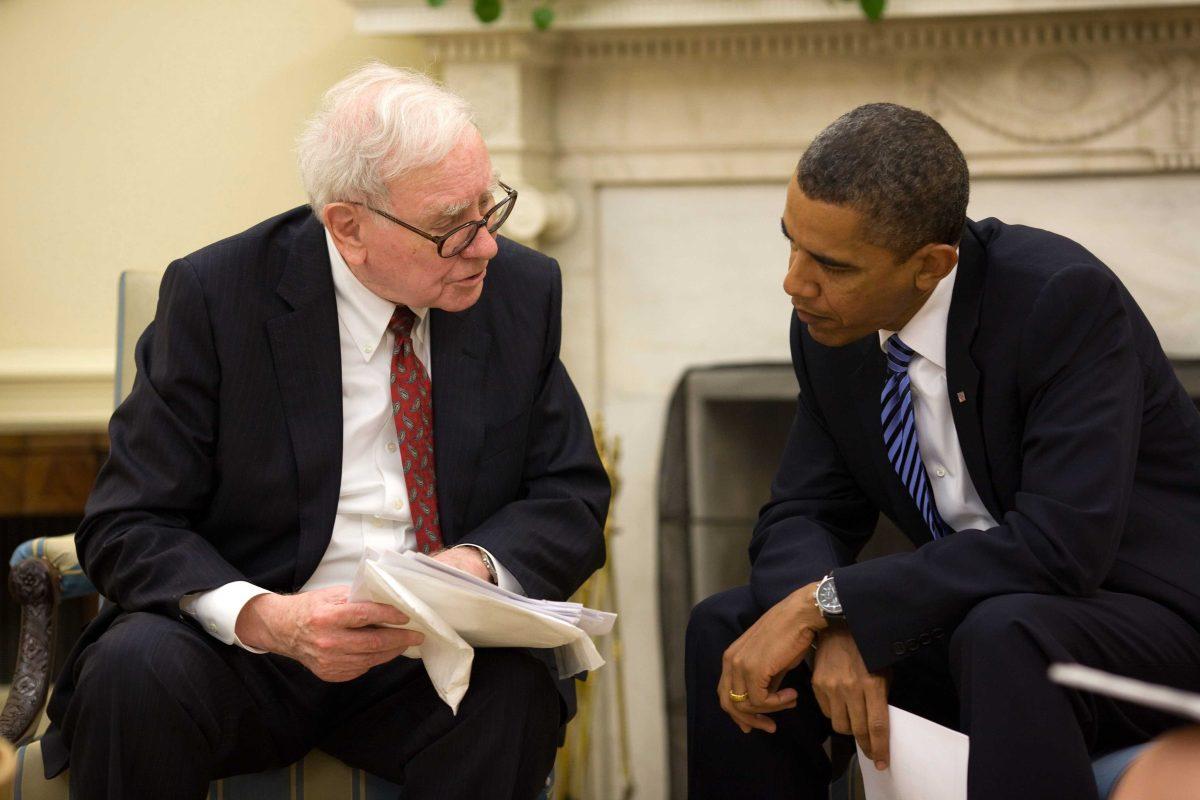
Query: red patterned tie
412, 407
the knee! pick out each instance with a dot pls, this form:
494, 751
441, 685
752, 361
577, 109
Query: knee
509, 672
1000, 625
717, 621
141, 659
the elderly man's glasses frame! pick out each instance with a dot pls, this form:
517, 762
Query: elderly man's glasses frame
455, 240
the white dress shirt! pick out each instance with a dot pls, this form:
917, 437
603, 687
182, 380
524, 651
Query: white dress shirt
373, 508
955, 495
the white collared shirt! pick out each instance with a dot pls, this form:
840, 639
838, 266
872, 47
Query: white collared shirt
373, 508
957, 500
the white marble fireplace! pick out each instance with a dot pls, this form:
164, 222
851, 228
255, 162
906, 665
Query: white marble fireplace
652, 140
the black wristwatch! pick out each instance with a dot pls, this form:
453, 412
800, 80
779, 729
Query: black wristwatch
826, 598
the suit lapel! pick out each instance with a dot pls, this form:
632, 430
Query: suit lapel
458, 348
962, 374
308, 368
866, 386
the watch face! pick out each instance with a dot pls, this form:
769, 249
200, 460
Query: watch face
827, 598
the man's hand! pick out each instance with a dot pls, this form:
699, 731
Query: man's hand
854, 700
467, 559
336, 639
757, 662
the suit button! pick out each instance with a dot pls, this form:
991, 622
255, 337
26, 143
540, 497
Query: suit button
898, 648
912, 645
926, 639
938, 633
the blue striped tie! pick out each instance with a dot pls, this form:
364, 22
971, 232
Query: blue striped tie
900, 435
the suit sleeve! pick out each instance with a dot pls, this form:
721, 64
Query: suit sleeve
136, 542
817, 517
562, 504
1081, 391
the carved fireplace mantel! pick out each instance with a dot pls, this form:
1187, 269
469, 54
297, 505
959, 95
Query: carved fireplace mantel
1027, 87
635, 93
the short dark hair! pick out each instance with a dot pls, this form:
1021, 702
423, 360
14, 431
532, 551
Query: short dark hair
898, 168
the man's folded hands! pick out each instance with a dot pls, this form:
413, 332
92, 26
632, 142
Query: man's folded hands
337, 640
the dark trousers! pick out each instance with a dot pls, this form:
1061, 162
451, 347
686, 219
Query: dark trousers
160, 709
1029, 738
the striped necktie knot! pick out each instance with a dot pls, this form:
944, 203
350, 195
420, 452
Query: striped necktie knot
899, 355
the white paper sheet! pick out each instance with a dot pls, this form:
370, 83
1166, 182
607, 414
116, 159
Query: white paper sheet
928, 762
446, 655
458, 612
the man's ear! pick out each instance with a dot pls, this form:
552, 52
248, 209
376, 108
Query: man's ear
933, 262
342, 221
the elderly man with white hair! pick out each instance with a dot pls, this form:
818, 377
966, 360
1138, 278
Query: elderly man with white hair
378, 369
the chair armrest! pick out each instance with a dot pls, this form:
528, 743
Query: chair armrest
33, 583
60, 552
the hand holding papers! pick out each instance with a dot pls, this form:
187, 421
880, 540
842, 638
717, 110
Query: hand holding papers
458, 612
928, 762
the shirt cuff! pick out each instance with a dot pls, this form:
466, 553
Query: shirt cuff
217, 610
504, 579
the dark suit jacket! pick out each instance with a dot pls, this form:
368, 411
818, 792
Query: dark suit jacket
1077, 435
225, 460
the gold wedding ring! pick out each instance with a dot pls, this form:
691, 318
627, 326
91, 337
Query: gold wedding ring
738, 698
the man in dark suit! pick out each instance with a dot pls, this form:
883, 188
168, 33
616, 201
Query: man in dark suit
997, 393
280, 424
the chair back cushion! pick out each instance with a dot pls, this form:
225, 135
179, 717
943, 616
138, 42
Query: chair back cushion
137, 298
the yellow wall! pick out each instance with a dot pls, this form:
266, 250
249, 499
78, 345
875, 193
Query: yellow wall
132, 132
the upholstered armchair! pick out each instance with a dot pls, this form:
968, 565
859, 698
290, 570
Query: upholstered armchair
45, 571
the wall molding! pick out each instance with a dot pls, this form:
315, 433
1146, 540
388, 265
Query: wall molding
55, 390
415, 18
1178, 28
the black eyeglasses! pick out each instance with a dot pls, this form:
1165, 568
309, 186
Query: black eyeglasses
454, 241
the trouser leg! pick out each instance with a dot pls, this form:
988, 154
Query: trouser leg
723, 762
160, 709
1033, 739
500, 744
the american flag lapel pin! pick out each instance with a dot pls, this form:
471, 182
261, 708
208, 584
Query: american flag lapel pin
962, 397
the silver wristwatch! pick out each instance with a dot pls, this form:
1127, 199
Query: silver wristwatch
489, 565
486, 558
826, 598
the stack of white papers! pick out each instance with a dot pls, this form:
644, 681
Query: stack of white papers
457, 612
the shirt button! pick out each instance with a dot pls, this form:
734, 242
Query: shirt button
940, 472
399, 504
377, 522
391, 447
212, 627
368, 349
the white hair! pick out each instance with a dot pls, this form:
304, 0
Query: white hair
377, 124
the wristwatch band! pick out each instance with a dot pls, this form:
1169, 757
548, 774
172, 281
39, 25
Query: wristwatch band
489, 565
